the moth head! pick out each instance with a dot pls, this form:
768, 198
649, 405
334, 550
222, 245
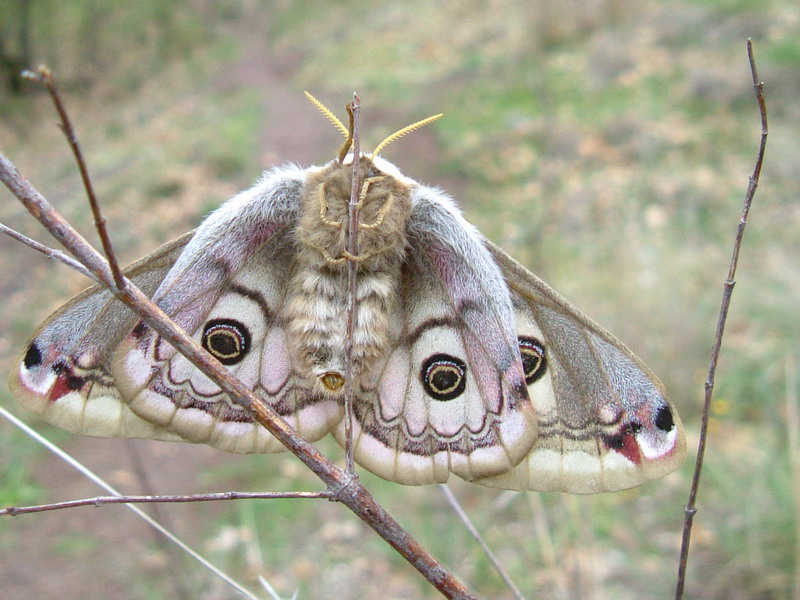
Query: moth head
378, 204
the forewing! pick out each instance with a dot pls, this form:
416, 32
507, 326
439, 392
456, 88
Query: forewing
64, 374
227, 290
452, 396
605, 421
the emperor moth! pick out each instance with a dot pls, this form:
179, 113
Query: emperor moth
463, 361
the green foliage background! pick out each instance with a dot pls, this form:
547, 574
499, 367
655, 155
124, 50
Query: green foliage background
605, 144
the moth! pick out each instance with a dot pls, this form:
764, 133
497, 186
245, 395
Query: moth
463, 361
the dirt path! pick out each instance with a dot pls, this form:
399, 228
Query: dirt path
290, 132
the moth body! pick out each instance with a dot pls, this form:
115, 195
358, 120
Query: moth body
319, 297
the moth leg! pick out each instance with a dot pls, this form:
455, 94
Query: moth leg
323, 209
365, 187
361, 257
347, 255
381, 214
334, 261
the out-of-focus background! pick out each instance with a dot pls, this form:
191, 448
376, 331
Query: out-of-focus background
605, 144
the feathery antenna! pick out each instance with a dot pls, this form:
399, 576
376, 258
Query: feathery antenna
348, 133
404, 131
328, 114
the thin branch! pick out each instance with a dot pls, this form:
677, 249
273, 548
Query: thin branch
691, 509
50, 253
346, 489
456, 506
143, 499
91, 475
45, 76
163, 499
354, 110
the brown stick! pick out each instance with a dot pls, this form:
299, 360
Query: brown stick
344, 488
691, 508
45, 76
354, 110
48, 252
212, 497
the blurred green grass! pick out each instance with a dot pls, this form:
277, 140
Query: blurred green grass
606, 145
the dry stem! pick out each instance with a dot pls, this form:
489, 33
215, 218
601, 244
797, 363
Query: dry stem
473, 531
48, 252
354, 110
134, 499
45, 76
691, 508
91, 476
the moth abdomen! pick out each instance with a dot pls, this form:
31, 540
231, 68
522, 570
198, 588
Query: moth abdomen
316, 315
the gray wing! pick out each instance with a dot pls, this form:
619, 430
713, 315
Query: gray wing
64, 374
227, 290
452, 395
605, 421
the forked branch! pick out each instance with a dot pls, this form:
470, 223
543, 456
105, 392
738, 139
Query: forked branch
691, 506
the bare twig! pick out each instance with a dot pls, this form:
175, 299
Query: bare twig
354, 109
691, 509
163, 499
345, 488
45, 76
92, 476
456, 506
48, 252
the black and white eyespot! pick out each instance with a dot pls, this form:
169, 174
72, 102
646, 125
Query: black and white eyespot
534, 361
444, 377
227, 340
